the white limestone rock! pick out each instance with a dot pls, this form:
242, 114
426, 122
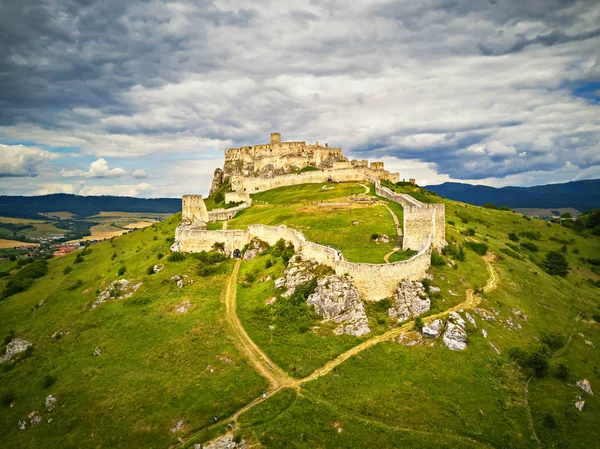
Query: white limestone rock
485, 314
158, 268
50, 402
579, 405
15, 347
433, 329
336, 299
470, 319
255, 248
585, 386
34, 418
455, 338
177, 427
457, 319
410, 300
119, 289
181, 280
226, 442
519, 314
484, 332
299, 271
182, 307
410, 338
434, 290
279, 283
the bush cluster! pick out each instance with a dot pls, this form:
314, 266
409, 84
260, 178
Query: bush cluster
23, 279
478, 248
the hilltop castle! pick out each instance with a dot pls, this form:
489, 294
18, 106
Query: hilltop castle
252, 169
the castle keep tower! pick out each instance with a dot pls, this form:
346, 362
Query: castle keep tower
275, 138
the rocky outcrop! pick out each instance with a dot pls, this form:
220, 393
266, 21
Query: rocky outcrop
470, 319
579, 405
157, 268
433, 329
255, 248
410, 338
50, 402
485, 314
455, 338
457, 319
181, 280
410, 300
585, 386
226, 442
119, 289
15, 347
336, 299
216, 182
299, 271
182, 307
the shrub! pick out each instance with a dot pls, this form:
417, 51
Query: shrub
549, 421
219, 197
160, 256
49, 380
530, 246
479, 248
534, 359
114, 256
553, 340
561, 371
470, 232
419, 323
78, 283
437, 259
7, 398
511, 253
556, 263
218, 246
79, 258
150, 270
451, 223
268, 264
176, 257
122, 271
67, 269
374, 236
531, 235
23, 279
513, 236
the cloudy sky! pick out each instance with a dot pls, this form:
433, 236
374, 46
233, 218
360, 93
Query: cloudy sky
142, 97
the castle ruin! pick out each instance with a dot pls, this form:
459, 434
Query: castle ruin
257, 168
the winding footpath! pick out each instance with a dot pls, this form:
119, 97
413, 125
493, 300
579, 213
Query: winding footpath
399, 235
278, 379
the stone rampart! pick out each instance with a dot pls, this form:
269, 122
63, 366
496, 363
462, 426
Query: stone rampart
227, 214
193, 240
237, 197
378, 281
374, 281
255, 185
420, 220
193, 208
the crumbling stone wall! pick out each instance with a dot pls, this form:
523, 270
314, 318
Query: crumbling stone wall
193, 240
420, 220
227, 214
237, 197
193, 208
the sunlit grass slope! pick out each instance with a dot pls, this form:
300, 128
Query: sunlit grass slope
156, 366
349, 229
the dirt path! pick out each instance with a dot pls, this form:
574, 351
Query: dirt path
470, 303
279, 379
399, 235
367, 189
275, 375
224, 227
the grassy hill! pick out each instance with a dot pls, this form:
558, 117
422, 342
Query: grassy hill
157, 367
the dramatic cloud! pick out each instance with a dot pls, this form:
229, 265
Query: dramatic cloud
98, 169
482, 91
22, 161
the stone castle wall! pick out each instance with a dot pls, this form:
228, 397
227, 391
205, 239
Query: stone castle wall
254, 185
192, 240
420, 220
193, 208
227, 214
237, 197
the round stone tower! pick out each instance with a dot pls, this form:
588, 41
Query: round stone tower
275, 138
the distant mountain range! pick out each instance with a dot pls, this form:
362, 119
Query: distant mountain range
83, 206
581, 195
